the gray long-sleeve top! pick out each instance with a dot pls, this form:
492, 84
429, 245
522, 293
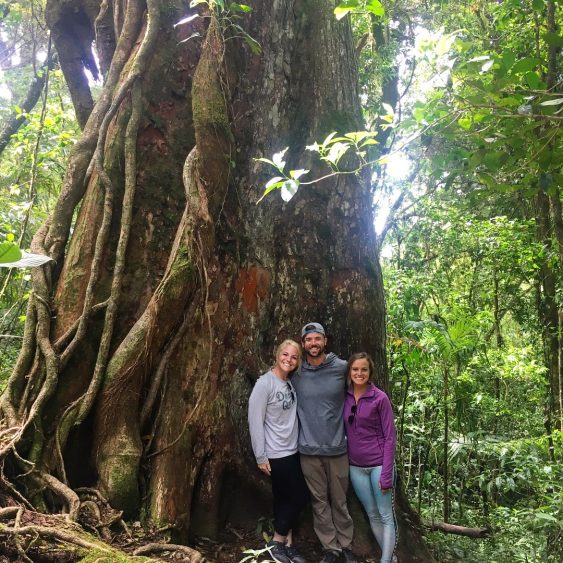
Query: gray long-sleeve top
272, 418
320, 391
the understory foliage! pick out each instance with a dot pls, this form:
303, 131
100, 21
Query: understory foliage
32, 163
459, 376
473, 276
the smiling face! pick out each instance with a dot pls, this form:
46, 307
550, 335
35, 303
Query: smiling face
287, 358
360, 372
314, 344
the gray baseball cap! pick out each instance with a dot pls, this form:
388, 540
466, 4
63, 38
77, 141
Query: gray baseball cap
312, 327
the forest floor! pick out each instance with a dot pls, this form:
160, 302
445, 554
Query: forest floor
232, 544
229, 547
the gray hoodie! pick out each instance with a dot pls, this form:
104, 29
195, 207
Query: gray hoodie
272, 418
320, 401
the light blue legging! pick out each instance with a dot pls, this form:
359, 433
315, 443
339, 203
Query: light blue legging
378, 506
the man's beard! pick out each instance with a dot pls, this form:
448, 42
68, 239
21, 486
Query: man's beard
317, 352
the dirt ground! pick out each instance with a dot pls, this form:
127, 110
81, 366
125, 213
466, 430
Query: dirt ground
234, 542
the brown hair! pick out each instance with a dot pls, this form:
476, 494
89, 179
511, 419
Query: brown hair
360, 356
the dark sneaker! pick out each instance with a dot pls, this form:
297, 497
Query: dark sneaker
349, 557
277, 551
330, 557
294, 555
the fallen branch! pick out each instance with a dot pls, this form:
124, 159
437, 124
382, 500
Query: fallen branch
459, 530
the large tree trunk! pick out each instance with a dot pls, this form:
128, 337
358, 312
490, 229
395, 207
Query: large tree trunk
144, 340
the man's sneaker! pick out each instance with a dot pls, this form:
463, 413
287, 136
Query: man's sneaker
294, 555
277, 551
349, 557
330, 557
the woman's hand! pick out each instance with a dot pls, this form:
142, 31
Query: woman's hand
384, 491
265, 468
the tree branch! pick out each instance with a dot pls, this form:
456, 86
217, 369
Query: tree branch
17, 119
459, 530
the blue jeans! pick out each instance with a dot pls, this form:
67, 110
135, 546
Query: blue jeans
378, 506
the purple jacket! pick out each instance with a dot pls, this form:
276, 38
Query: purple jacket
371, 432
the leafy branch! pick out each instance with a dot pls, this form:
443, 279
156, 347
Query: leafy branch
228, 14
331, 151
359, 7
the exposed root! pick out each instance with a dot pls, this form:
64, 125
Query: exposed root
160, 371
9, 512
194, 555
69, 497
62, 341
52, 533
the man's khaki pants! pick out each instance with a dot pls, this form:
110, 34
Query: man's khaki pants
327, 479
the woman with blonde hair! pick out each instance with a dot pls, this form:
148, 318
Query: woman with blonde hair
272, 420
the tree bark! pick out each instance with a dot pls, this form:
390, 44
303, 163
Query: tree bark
174, 288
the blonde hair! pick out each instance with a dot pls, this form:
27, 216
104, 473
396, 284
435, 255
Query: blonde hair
289, 342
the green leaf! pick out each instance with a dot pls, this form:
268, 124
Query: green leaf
345, 8
289, 189
525, 65
269, 189
533, 80
486, 179
337, 151
234, 7
553, 39
9, 252
555, 102
375, 7
538, 5
479, 59
544, 516
493, 160
267, 161
296, 174
487, 65
255, 47
278, 158
340, 12
274, 180
329, 138
357, 136
465, 122
508, 58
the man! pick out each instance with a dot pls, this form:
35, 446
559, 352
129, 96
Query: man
320, 384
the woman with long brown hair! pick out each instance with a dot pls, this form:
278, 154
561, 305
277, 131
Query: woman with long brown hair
370, 430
